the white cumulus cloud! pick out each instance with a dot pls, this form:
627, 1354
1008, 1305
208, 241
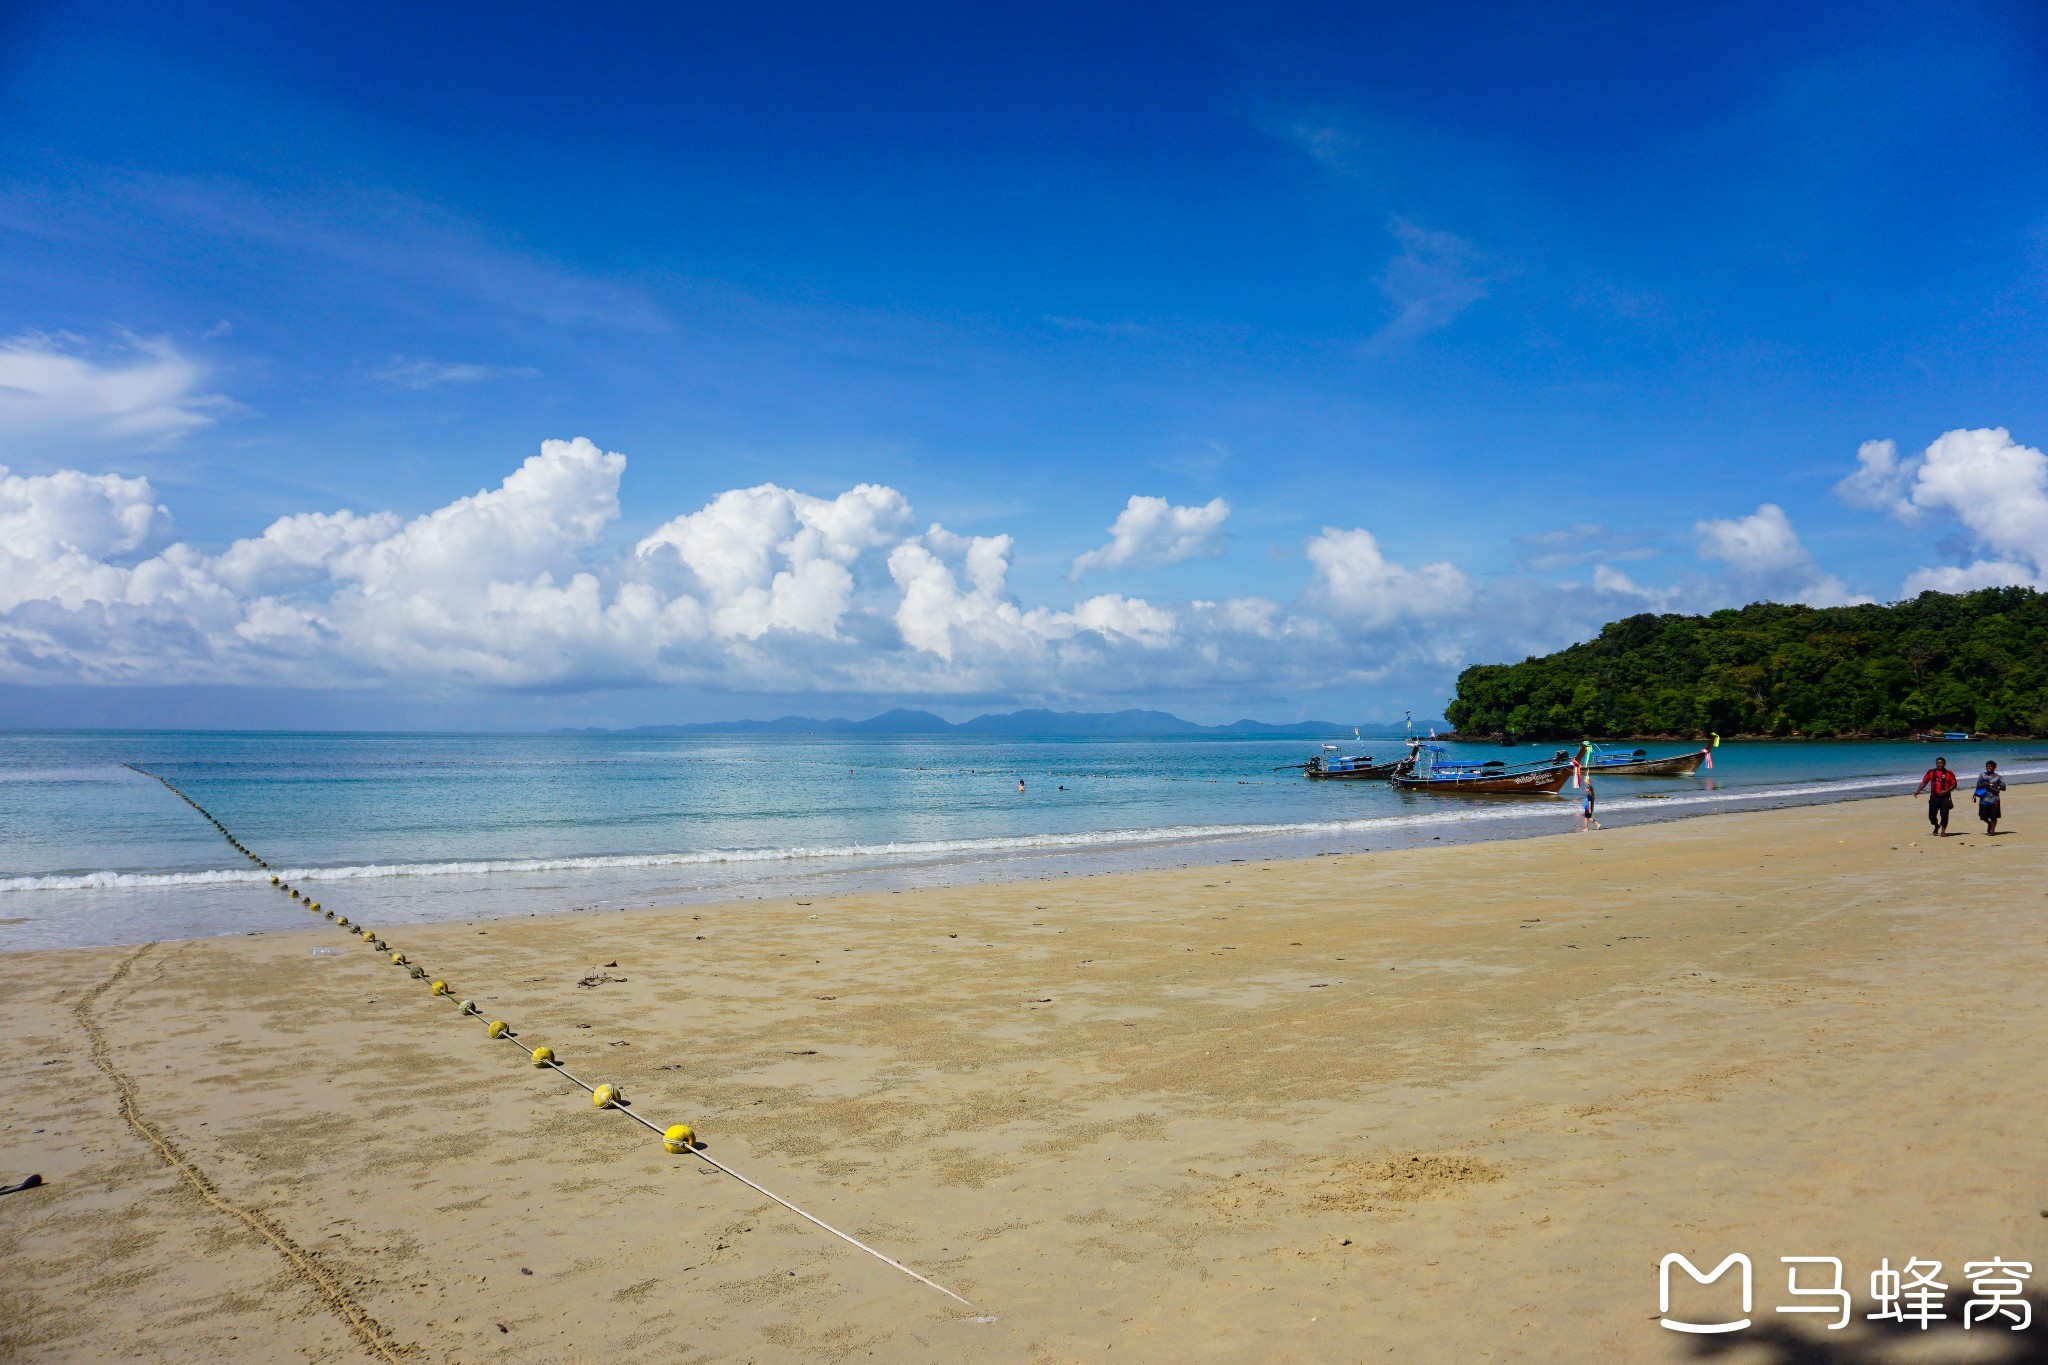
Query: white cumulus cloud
1131, 618
1355, 582
1761, 543
768, 558
978, 628
1879, 483
73, 513
763, 588
1153, 531
57, 532
485, 590
1984, 573
525, 585
1612, 582
1994, 486
1768, 558
1998, 489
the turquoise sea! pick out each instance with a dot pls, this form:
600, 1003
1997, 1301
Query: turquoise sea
393, 828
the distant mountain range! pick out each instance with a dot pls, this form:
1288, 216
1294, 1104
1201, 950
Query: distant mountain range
1045, 723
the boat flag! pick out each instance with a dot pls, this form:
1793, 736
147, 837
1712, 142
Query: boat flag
1710, 750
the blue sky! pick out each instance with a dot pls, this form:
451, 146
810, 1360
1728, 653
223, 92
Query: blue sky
1550, 308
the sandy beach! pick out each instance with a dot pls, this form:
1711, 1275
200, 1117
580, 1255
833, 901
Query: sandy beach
1445, 1104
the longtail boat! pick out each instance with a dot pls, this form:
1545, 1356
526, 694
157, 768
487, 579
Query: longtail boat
1434, 773
1640, 764
1331, 766
1947, 737
1353, 769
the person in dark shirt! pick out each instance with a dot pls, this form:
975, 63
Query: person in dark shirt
1990, 790
1940, 785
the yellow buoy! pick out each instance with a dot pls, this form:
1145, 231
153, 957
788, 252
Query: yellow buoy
543, 1056
679, 1138
274, 881
295, 895
606, 1096
312, 905
440, 988
398, 959
498, 1028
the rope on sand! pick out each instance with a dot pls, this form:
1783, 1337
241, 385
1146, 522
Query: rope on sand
618, 1102
678, 1138
365, 1328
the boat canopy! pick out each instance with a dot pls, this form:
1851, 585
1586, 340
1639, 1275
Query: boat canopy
1431, 762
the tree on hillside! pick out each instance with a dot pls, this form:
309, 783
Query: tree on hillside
1974, 661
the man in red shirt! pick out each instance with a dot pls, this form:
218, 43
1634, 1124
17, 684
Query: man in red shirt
1940, 785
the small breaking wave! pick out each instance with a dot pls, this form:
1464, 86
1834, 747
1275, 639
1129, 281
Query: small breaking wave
900, 850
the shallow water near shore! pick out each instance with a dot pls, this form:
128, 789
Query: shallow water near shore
412, 828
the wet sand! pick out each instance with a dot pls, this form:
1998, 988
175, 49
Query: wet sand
1445, 1104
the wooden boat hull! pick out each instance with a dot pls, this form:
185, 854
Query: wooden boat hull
1677, 765
1544, 781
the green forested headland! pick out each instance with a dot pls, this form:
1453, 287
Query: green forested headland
1974, 661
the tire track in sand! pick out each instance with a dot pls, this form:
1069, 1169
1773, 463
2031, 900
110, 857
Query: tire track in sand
366, 1329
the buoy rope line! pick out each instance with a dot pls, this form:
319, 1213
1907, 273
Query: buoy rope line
365, 1328
678, 1138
